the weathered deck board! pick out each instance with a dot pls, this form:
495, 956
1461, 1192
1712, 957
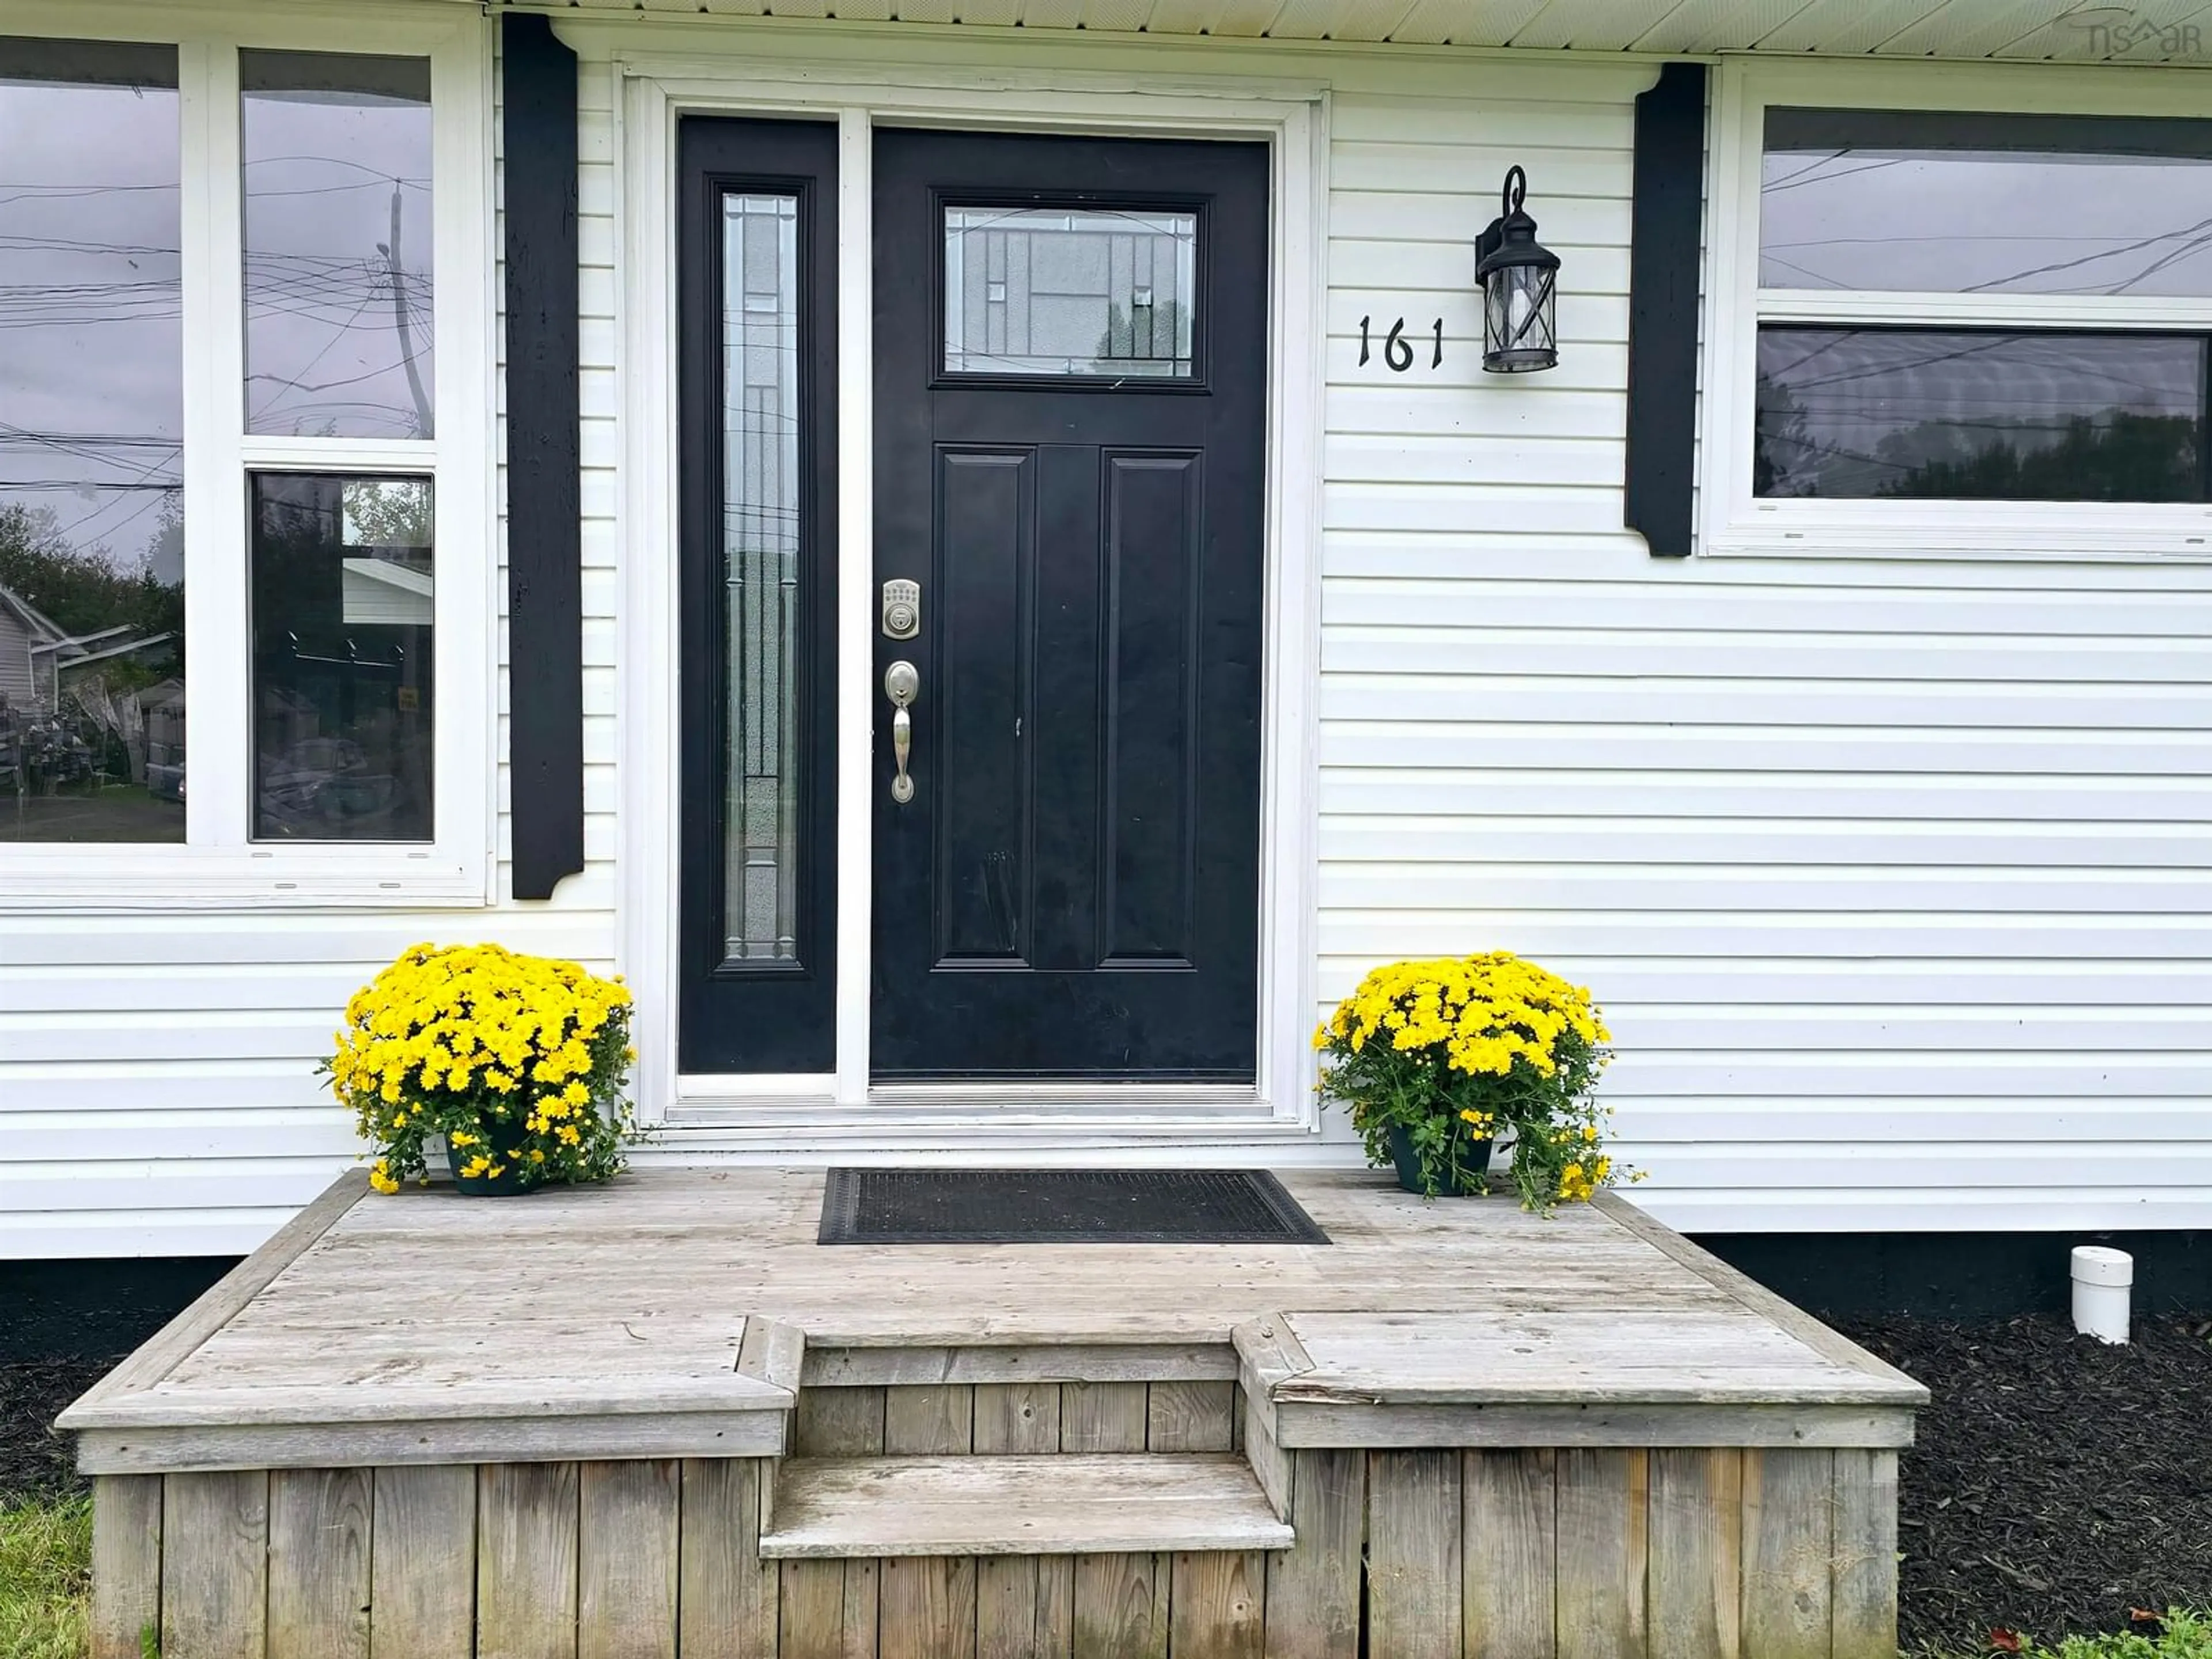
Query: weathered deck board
527, 1517
1603, 1519
215, 1564
1413, 1524
319, 1563
1056, 1606
1509, 1576
424, 1563
626, 1559
1216, 1605
1691, 1356
929, 1419
1017, 1417
1005, 1606
126, 1565
928, 1608
1120, 1606
726, 1595
1695, 1585
1313, 1586
1788, 1506
1190, 1416
839, 1422
811, 1615
1863, 1621
1103, 1417
1054, 1504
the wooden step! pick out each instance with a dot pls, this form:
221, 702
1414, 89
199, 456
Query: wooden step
1061, 1504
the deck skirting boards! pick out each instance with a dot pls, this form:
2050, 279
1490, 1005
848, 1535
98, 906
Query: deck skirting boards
1698, 1552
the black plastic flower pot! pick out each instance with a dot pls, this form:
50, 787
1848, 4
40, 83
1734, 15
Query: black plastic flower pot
503, 1142
1474, 1164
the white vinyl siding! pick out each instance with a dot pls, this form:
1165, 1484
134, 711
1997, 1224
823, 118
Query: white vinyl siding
1893, 877
16, 686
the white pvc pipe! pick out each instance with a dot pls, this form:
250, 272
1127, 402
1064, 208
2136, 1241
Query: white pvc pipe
2102, 1279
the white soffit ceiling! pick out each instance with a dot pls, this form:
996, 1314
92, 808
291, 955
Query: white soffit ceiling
2062, 30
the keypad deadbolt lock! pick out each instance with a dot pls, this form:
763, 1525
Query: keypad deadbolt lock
902, 610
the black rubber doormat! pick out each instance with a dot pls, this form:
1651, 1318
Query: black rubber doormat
1062, 1206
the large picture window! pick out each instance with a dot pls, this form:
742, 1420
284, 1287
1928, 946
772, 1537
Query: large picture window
243, 436
1959, 329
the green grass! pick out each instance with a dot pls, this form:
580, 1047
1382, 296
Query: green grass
46, 1576
2184, 1635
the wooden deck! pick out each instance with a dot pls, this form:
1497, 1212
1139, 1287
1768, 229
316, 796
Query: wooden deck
661, 1408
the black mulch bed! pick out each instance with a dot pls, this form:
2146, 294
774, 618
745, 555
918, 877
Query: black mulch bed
33, 1459
2056, 1483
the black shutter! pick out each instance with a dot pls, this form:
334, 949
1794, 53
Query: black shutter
1667, 226
544, 506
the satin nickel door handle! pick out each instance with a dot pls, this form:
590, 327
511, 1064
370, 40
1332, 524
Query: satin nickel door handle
902, 684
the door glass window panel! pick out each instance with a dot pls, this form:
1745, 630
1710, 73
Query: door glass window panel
339, 278
343, 595
1965, 203
760, 574
1070, 291
92, 555
1980, 415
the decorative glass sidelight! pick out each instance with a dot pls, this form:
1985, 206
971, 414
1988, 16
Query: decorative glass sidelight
760, 574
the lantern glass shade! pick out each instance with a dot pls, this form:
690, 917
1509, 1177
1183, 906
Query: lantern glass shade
1520, 279
1520, 325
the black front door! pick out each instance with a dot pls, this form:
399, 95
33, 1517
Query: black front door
1071, 393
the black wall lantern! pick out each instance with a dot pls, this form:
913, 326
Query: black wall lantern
1520, 289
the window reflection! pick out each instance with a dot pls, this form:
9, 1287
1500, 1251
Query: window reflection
1088, 291
338, 335
1980, 415
92, 568
1961, 202
342, 590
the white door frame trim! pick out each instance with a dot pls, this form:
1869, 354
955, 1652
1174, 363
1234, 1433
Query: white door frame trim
840, 1111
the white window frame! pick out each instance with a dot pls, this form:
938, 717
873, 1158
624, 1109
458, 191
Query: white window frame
1735, 522
651, 77
219, 865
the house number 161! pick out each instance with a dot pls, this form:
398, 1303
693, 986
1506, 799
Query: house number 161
1397, 349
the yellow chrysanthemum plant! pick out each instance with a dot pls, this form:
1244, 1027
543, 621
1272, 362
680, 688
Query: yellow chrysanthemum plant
1440, 1061
516, 1063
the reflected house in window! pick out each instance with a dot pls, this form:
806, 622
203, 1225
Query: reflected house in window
84, 715
342, 588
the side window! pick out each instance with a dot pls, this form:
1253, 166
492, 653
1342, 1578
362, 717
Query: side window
2012, 308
